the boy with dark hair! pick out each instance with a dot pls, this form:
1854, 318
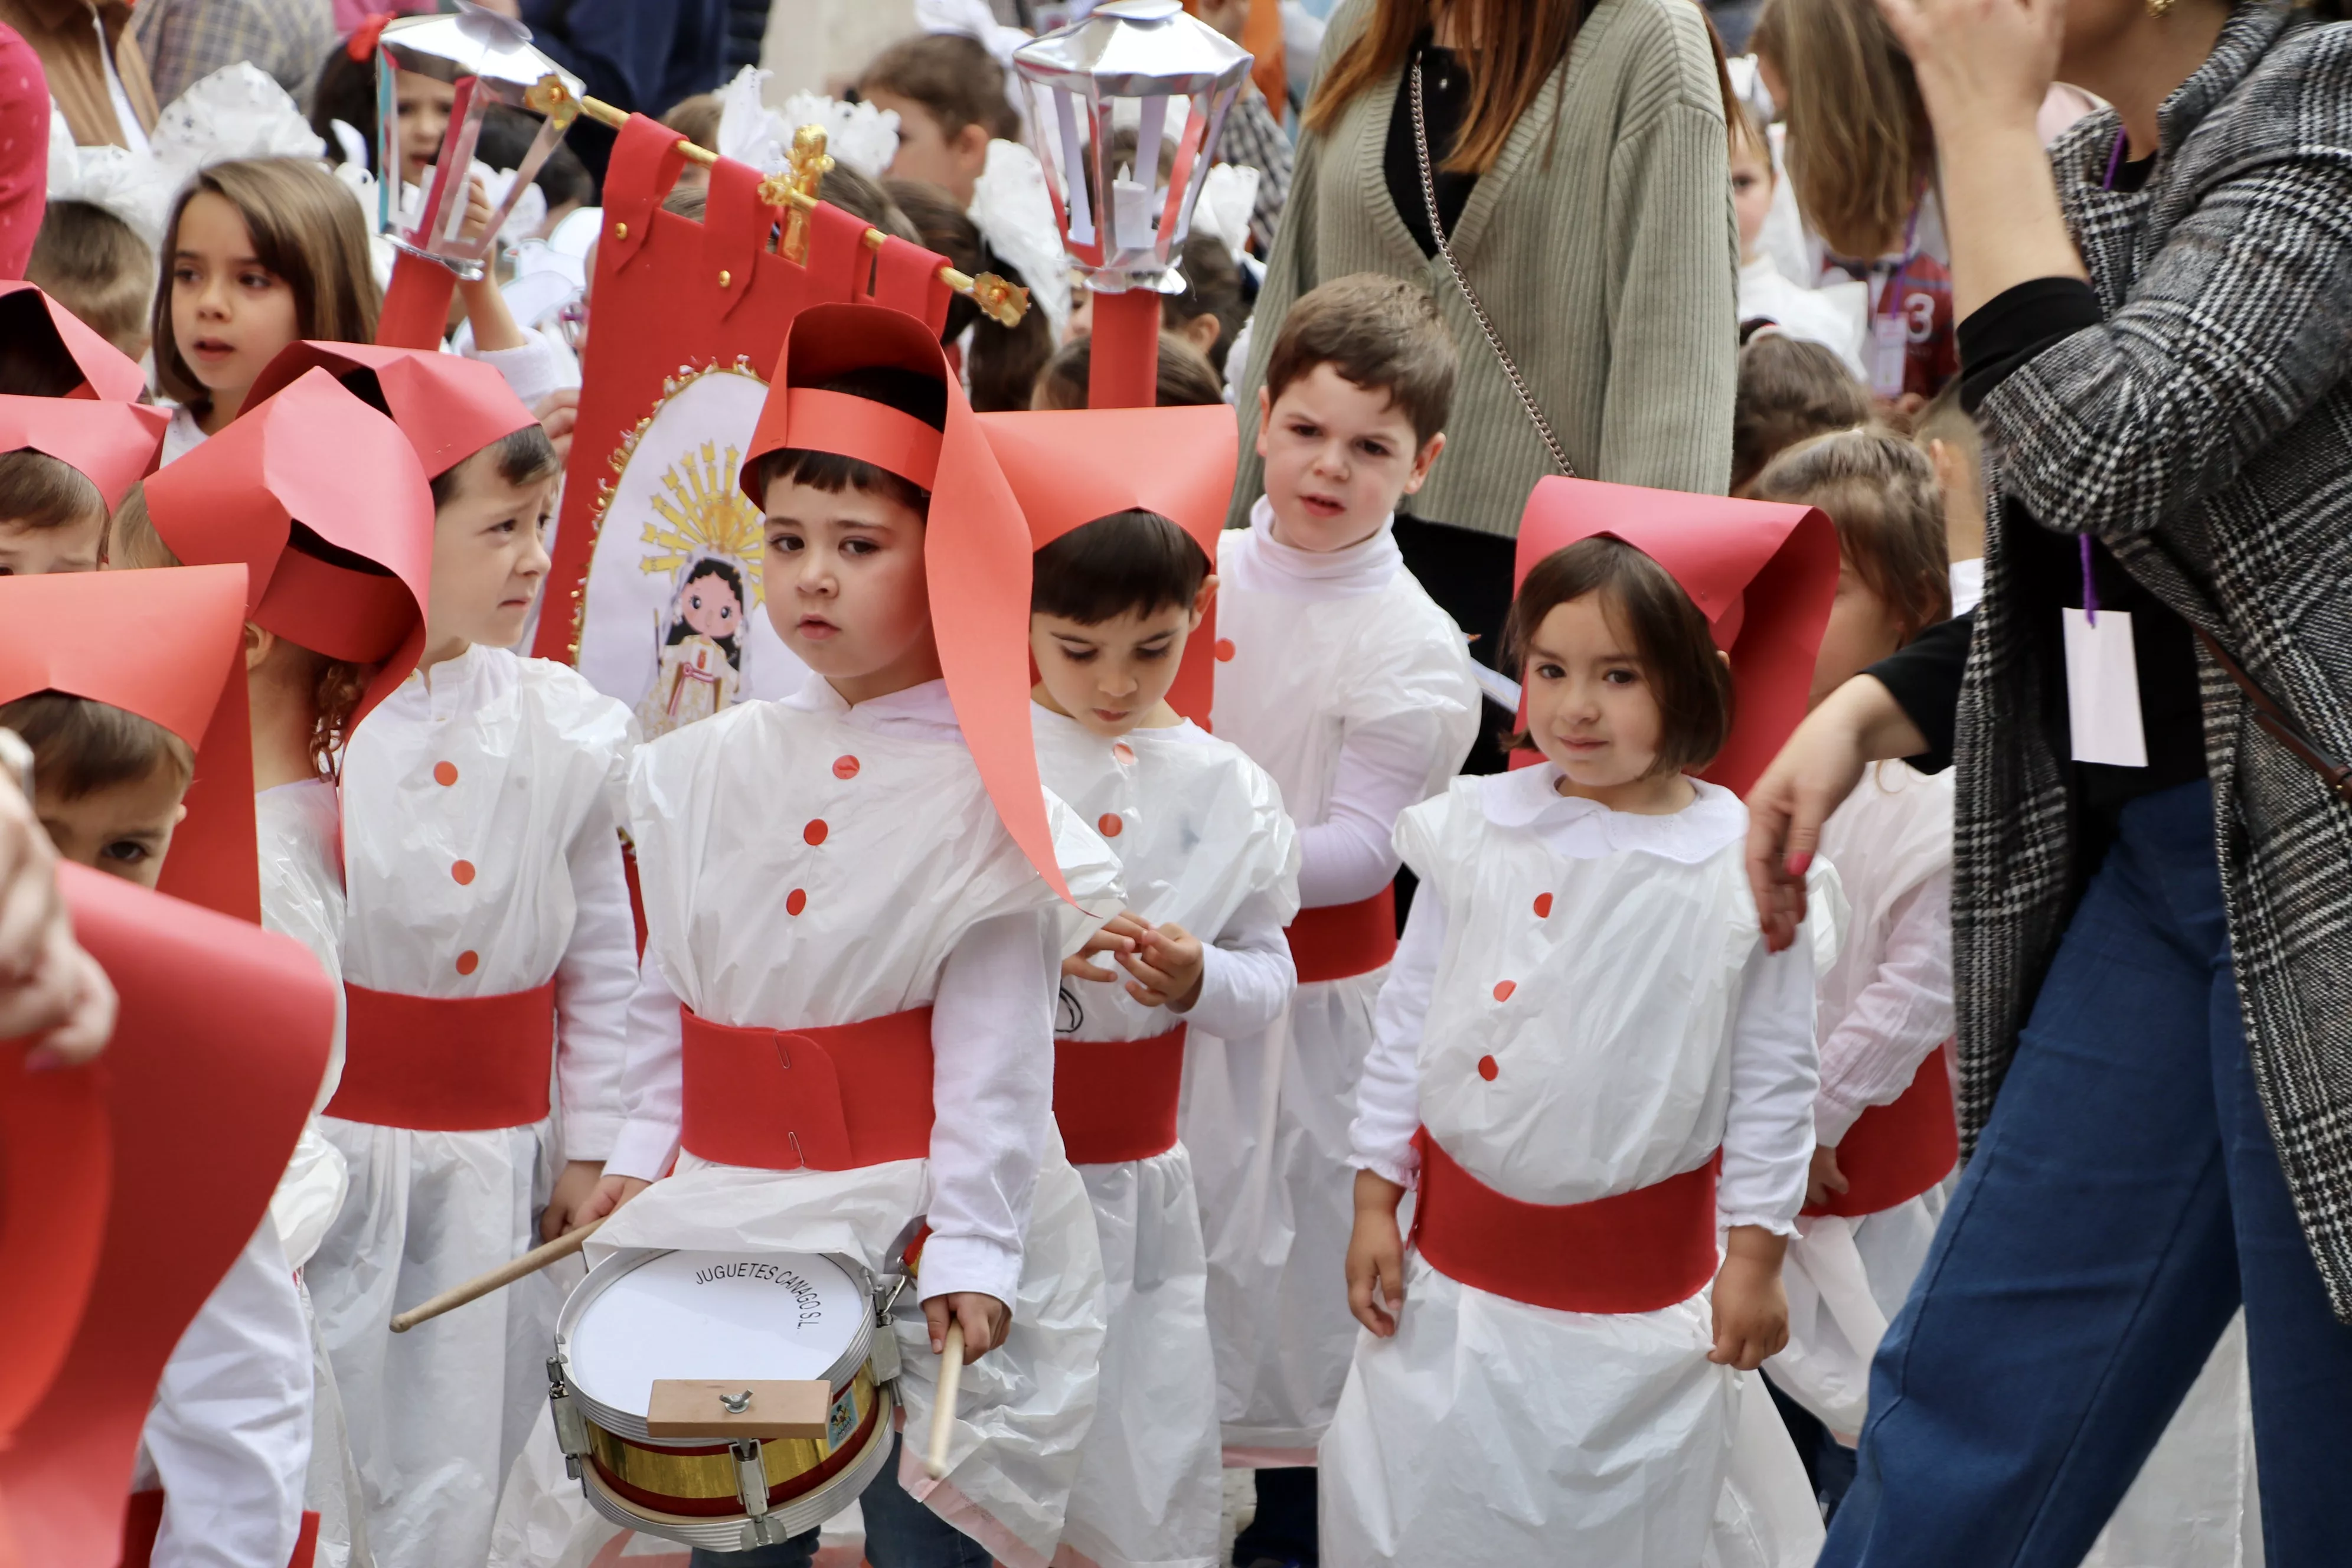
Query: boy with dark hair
1342, 678
1210, 860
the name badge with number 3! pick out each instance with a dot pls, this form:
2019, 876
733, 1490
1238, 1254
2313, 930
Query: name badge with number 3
2103, 690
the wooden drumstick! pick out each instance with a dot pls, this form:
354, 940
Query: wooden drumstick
505, 1274
935, 1463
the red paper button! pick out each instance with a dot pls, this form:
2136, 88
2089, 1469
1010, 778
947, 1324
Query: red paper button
1123, 752
814, 834
445, 774
1487, 1069
1503, 989
1109, 824
796, 901
1543, 906
468, 962
462, 873
1224, 650
845, 767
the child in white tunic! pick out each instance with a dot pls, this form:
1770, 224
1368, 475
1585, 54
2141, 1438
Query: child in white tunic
1125, 506
488, 951
872, 865
336, 579
1344, 680
1590, 1067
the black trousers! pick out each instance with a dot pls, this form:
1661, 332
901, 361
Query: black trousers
1469, 575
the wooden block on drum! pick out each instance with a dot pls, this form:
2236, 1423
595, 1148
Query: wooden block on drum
683, 1407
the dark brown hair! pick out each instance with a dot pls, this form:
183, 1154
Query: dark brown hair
1519, 44
525, 457
90, 261
1690, 682
1186, 380
918, 396
1381, 334
1135, 562
1789, 391
1880, 490
306, 229
1001, 362
696, 118
1212, 287
1860, 149
952, 76
82, 746
37, 491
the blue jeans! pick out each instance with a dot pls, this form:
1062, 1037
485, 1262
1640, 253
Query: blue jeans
2124, 1199
899, 1533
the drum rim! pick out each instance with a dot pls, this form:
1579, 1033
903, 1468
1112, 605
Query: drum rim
803, 1514
627, 1260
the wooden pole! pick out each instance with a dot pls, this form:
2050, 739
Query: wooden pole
935, 1462
498, 1278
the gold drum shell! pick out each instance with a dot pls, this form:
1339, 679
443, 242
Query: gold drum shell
689, 1479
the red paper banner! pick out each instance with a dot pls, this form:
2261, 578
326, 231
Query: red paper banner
655, 594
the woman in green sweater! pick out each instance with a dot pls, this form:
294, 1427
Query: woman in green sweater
1580, 175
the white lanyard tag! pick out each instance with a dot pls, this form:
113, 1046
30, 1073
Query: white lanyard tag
2103, 690
1890, 353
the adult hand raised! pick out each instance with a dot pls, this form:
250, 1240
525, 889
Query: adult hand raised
1857, 724
1979, 62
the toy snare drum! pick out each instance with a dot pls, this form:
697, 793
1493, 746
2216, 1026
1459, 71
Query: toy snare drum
726, 1400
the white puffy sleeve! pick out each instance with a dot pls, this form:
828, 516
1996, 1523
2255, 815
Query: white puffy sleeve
1768, 1136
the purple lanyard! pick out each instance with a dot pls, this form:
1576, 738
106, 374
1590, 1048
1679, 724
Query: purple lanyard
2090, 589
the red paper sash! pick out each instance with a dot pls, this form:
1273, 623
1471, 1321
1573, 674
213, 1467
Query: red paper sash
1634, 1252
446, 1064
1894, 1152
1116, 1100
144, 1519
1339, 940
832, 1099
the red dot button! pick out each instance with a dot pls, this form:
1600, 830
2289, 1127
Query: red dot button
468, 962
1488, 1068
796, 901
814, 834
1224, 650
845, 767
1503, 989
1543, 906
462, 873
1121, 751
1109, 824
445, 774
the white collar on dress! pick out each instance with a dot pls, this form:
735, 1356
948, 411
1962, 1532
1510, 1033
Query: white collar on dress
921, 712
1277, 568
1583, 829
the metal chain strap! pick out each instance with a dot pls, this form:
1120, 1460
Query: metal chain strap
1469, 295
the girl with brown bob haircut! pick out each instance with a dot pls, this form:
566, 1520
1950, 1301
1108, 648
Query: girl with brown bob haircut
1691, 680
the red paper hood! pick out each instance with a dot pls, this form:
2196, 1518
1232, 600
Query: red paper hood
1763, 574
29, 319
448, 406
114, 445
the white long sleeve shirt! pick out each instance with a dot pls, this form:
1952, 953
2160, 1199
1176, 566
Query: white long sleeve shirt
911, 894
1581, 1005
1349, 685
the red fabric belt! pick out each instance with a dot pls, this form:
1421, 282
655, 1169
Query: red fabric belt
832, 1099
1116, 1100
143, 1521
1634, 1252
1894, 1152
1339, 940
446, 1064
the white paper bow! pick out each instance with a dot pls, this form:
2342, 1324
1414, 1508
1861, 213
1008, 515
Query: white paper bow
1016, 217
133, 187
235, 112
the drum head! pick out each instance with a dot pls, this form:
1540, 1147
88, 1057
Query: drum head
747, 1316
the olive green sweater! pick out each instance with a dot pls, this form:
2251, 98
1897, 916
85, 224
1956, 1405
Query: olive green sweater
1602, 242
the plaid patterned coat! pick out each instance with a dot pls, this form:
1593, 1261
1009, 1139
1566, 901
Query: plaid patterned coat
2204, 432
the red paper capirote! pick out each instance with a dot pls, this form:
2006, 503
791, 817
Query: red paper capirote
448, 406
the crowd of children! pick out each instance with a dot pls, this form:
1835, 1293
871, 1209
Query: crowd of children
1451, 1152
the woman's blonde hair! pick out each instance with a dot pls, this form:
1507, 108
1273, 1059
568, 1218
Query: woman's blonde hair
307, 228
1860, 151
1519, 44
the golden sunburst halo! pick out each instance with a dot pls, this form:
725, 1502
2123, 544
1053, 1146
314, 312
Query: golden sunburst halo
705, 514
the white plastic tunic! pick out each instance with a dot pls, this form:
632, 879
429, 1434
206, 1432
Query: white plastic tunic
481, 855
1340, 666
909, 893
1587, 1008
1202, 844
